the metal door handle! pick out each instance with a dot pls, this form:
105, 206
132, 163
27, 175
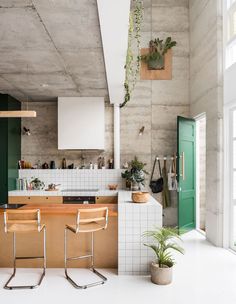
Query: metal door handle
183, 166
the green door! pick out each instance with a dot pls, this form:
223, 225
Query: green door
186, 173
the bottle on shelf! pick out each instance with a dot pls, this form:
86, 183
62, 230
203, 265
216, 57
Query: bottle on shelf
111, 163
64, 163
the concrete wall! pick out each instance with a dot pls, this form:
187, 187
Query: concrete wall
155, 104
206, 96
42, 144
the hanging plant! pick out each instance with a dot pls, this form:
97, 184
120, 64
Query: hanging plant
155, 59
132, 65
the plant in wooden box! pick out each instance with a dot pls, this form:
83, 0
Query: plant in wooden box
135, 174
165, 240
155, 59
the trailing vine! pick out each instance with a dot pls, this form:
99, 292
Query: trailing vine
132, 65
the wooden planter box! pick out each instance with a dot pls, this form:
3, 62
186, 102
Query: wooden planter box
166, 74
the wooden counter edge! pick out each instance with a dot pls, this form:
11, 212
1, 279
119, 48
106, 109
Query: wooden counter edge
66, 208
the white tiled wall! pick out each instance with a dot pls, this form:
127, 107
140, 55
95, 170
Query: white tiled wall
76, 179
134, 220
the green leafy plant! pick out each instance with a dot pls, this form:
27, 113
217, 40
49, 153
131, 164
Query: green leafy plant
37, 184
132, 65
157, 50
135, 172
165, 240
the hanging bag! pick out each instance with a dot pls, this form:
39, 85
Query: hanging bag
172, 182
156, 185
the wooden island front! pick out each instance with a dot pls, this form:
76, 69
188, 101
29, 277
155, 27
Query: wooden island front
55, 216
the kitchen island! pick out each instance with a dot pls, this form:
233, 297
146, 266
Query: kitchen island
120, 246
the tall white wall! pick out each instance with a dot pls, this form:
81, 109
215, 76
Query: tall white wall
206, 80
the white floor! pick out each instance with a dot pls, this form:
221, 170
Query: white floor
205, 274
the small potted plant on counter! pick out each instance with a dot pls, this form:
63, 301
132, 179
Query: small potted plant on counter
155, 59
135, 174
165, 240
37, 184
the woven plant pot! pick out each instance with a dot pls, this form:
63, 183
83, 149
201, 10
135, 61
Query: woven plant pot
140, 197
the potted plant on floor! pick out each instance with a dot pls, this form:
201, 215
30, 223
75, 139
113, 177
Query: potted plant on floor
155, 59
165, 240
135, 174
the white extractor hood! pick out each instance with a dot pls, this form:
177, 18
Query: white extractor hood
81, 123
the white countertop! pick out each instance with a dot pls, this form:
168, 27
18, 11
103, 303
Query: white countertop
124, 196
102, 192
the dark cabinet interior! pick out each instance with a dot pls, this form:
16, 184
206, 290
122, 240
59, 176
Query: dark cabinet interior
10, 146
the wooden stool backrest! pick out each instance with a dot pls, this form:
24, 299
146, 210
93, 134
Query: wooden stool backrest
24, 217
92, 215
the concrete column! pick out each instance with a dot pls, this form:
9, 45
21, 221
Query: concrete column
117, 136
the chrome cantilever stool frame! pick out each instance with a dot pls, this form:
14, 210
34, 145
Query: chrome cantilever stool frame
87, 221
24, 221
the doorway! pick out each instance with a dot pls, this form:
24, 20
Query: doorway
230, 177
201, 172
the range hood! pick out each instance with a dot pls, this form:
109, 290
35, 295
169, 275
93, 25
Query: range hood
81, 123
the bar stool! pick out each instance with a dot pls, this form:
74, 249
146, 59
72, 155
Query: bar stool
87, 221
24, 221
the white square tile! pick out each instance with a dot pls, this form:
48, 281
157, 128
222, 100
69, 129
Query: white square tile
122, 246
136, 260
128, 260
129, 246
136, 216
129, 231
128, 253
136, 269
137, 238
129, 268
121, 261
144, 260
129, 238
122, 253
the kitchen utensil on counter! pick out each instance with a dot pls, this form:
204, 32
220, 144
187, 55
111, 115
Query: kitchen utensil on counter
111, 163
140, 197
52, 187
45, 166
71, 166
63, 163
24, 164
112, 186
52, 164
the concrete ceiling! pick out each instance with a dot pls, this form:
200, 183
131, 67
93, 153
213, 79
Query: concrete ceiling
51, 48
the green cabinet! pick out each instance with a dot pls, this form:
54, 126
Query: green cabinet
10, 146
